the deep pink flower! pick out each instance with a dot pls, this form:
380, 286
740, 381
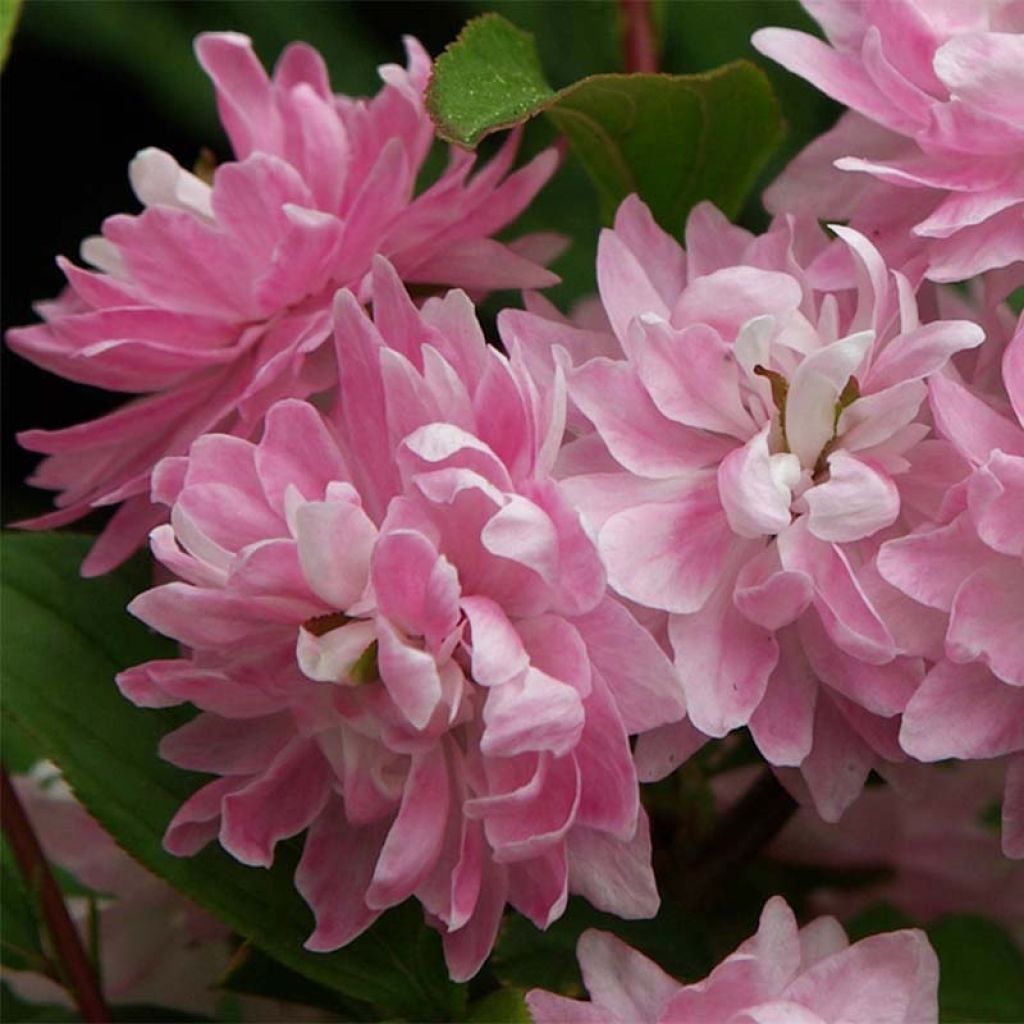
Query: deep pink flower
756, 436
395, 618
967, 570
782, 975
936, 98
214, 302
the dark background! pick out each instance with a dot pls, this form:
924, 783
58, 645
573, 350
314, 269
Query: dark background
90, 82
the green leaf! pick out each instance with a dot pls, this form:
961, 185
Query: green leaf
64, 639
674, 139
506, 1006
981, 974
529, 958
253, 973
9, 11
489, 78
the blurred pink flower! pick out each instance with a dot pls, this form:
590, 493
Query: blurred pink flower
214, 302
746, 462
782, 975
156, 947
967, 570
394, 617
941, 856
936, 125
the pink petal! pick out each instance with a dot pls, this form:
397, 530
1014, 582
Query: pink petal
612, 875
335, 539
850, 620
724, 661
411, 675
209, 743
531, 712
280, 803
414, 841
856, 501
642, 680
782, 725
995, 497
690, 374
498, 652
756, 487
814, 390
624, 984
198, 819
669, 556
337, 864
986, 619
930, 566
417, 589
963, 711
838, 764
626, 289
661, 750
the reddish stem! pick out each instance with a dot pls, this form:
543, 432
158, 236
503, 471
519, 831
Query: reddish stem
71, 957
640, 52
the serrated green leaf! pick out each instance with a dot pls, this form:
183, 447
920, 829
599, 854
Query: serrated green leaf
674, 139
489, 78
64, 639
981, 975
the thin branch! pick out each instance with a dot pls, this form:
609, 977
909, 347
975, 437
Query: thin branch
639, 49
739, 836
70, 955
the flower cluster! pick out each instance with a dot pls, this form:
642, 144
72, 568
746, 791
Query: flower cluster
215, 301
443, 606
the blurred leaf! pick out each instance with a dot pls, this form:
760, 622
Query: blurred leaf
981, 974
529, 958
21, 947
506, 1006
15, 1010
882, 917
152, 43
673, 139
9, 11
65, 638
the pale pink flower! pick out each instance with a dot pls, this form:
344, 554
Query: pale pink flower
394, 617
782, 975
967, 568
214, 302
929, 837
756, 436
935, 128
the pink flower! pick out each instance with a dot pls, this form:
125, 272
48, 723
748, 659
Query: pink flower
782, 975
394, 617
756, 436
214, 302
936, 98
967, 570
155, 946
